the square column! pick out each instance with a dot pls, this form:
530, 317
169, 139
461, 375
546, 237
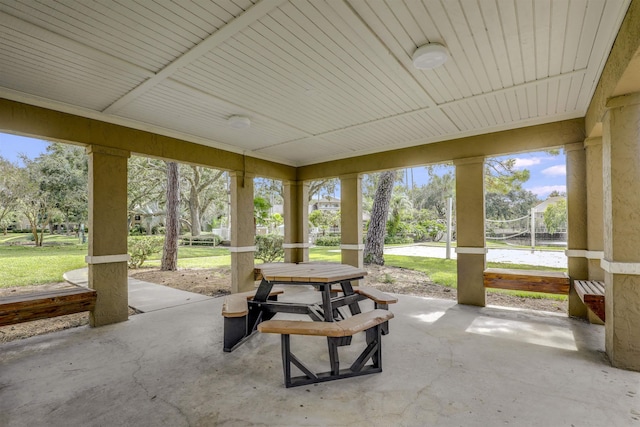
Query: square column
621, 263
107, 255
296, 221
243, 232
595, 220
470, 216
577, 223
351, 220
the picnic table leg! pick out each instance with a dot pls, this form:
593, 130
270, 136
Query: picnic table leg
256, 315
347, 290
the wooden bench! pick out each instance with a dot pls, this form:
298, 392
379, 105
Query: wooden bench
381, 299
43, 305
591, 292
338, 334
235, 310
550, 282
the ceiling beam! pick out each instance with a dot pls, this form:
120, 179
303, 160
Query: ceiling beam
532, 138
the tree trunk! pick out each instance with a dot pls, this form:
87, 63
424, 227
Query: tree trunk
170, 252
374, 245
194, 208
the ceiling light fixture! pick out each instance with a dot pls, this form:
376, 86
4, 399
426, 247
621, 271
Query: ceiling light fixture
430, 56
239, 122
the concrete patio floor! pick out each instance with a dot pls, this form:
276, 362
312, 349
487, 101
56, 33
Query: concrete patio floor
444, 365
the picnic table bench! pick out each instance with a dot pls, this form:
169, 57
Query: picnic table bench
338, 334
43, 305
550, 282
591, 292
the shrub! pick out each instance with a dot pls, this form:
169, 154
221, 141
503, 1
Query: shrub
142, 247
390, 240
269, 247
328, 241
137, 230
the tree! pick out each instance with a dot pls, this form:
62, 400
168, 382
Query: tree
64, 176
172, 225
434, 195
146, 187
501, 175
555, 216
512, 205
323, 187
374, 245
9, 195
35, 203
204, 188
261, 207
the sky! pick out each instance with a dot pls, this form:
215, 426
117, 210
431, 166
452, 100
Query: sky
13, 145
548, 172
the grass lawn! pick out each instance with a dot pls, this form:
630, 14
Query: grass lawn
29, 265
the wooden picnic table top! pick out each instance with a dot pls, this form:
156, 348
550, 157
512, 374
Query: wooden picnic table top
309, 272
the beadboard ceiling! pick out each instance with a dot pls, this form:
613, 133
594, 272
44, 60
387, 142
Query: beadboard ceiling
319, 80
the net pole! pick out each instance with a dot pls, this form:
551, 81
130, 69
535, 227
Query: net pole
449, 209
533, 229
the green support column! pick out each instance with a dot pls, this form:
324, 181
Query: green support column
577, 223
351, 220
296, 221
243, 232
471, 250
107, 254
621, 263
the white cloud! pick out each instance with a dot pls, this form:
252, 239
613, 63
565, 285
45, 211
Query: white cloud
544, 190
523, 163
557, 170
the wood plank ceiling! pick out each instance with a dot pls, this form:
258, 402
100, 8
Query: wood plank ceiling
319, 80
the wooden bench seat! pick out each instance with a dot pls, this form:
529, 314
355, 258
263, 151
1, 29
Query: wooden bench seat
235, 305
376, 295
591, 292
43, 305
338, 334
550, 282
344, 328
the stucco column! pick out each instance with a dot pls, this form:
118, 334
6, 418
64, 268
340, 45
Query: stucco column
595, 221
243, 232
470, 230
577, 223
107, 255
351, 220
296, 221
621, 263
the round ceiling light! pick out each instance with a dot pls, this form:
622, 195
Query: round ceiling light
430, 56
239, 122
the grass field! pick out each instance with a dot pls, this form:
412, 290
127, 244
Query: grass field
28, 265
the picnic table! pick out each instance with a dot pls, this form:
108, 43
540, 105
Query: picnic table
250, 311
253, 308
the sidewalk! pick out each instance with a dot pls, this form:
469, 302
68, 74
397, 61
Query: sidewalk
144, 296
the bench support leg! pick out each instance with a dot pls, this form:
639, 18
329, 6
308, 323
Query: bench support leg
235, 329
372, 352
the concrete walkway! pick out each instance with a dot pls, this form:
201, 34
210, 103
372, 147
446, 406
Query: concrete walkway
144, 296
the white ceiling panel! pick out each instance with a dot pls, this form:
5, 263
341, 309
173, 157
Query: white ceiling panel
302, 149
337, 73
176, 107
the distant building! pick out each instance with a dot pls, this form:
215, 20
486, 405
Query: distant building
326, 203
